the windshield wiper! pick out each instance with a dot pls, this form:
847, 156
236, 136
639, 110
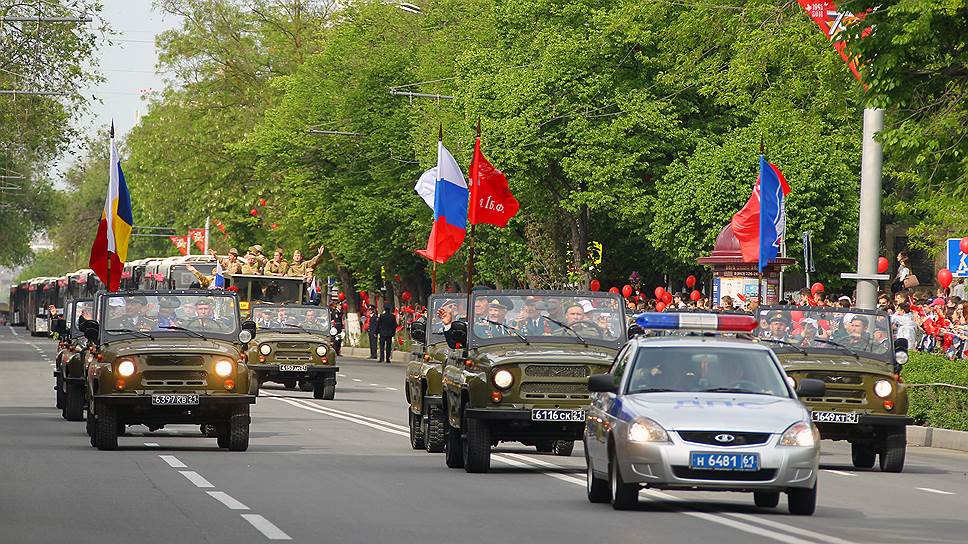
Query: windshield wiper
146, 335
509, 328
293, 325
839, 345
732, 390
177, 328
568, 327
785, 343
655, 390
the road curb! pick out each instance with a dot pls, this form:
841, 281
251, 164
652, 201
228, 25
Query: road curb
934, 437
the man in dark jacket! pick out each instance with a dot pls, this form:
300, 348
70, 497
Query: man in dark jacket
372, 330
336, 322
387, 327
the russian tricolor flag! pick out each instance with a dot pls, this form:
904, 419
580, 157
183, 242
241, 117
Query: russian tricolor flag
445, 190
219, 282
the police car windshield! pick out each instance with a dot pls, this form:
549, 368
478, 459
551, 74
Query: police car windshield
289, 317
163, 314
708, 369
830, 330
592, 316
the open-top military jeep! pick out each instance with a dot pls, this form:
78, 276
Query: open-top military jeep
519, 370
69, 364
294, 348
168, 357
854, 353
423, 385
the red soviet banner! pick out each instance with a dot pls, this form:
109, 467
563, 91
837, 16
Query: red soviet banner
181, 242
832, 23
198, 237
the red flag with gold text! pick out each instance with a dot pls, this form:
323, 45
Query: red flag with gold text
181, 242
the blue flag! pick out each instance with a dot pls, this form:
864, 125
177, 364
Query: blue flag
772, 219
219, 281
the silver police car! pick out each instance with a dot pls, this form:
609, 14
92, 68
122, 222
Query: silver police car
701, 412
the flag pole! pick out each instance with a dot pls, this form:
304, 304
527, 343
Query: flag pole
109, 175
433, 243
475, 181
759, 276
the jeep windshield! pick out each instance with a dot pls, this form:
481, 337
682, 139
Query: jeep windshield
277, 290
444, 309
308, 318
836, 331
525, 317
156, 315
80, 311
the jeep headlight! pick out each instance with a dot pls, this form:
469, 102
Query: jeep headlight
802, 434
126, 367
223, 368
883, 388
646, 430
503, 379
321, 350
900, 357
265, 349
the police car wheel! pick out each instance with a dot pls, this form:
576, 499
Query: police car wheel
766, 499
862, 456
802, 502
624, 496
596, 488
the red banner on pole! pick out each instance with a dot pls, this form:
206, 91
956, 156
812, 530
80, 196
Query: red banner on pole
220, 226
198, 237
832, 23
181, 242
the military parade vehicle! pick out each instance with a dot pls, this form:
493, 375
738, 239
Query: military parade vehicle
423, 385
519, 370
168, 357
255, 289
294, 348
854, 353
69, 362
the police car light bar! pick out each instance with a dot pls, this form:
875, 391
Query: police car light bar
696, 321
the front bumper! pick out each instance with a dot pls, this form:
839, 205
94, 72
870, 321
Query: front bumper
666, 465
271, 372
137, 408
516, 425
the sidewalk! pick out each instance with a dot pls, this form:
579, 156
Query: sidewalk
933, 437
364, 353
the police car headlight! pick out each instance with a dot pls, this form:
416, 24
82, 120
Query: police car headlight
126, 368
321, 350
802, 434
883, 388
223, 368
646, 430
265, 349
503, 379
900, 357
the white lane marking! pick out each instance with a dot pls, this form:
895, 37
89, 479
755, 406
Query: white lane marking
931, 490
335, 412
227, 500
374, 385
787, 528
392, 389
341, 374
357, 380
510, 458
151, 444
172, 461
840, 472
195, 478
266, 527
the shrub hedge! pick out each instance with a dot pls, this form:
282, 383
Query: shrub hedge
937, 406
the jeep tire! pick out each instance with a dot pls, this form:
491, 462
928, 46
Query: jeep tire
74, 402
563, 448
306, 385
238, 428
416, 430
453, 449
477, 446
106, 428
325, 390
544, 446
895, 446
862, 456
434, 434
59, 392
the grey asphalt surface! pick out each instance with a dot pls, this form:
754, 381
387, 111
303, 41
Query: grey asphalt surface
343, 471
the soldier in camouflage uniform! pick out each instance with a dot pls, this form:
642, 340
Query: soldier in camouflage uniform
299, 268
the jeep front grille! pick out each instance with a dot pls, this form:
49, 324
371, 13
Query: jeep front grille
163, 378
835, 378
292, 345
175, 360
556, 371
538, 390
842, 396
285, 356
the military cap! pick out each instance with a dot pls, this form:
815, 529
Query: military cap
169, 302
258, 248
778, 316
138, 299
501, 302
233, 251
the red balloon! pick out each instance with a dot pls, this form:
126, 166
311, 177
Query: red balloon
963, 245
342, 296
262, 202
944, 277
634, 298
406, 296
816, 288
346, 306
695, 296
274, 226
594, 285
613, 290
658, 292
659, 306
882, 265
254, 212
667, 297
627, 291
690, 281
397, 278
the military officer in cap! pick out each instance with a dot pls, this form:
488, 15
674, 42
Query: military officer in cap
231, 264
299, 268
134, 317
493, 323
277, 266
779, 326
166, 312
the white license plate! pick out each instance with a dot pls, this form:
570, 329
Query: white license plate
834, 417
545, 414
293, 368
174, 400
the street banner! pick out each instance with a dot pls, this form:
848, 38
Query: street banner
110, 248
181, 242
957, 261
197, 236
220, 226
450, 208
832, 23
491, 200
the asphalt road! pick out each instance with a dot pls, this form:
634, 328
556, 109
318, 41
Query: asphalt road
343, 471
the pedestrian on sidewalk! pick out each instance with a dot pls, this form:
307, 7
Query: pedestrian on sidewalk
373, 330
387, 327
336, 322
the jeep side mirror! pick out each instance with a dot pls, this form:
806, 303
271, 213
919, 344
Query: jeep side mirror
92, 330
810, 387
249, 326
456, 336
418, 330
602, 383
